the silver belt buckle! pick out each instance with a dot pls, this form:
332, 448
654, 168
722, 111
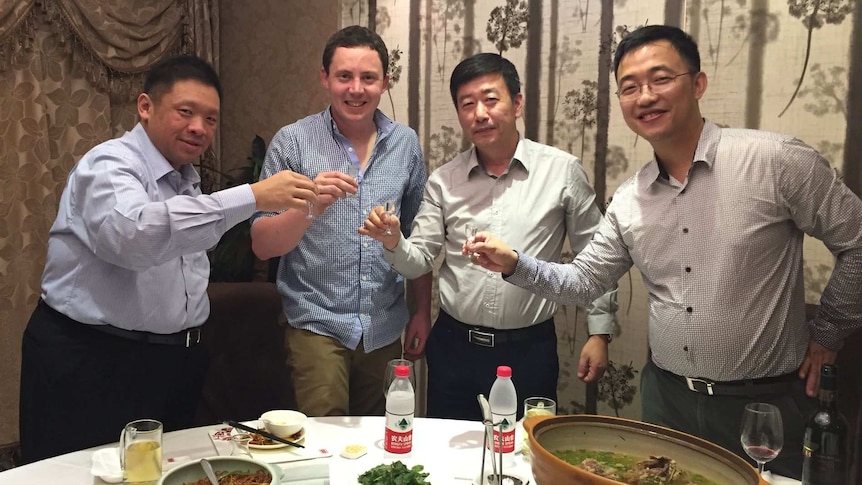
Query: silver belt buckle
193, 336
485, 339
691, 381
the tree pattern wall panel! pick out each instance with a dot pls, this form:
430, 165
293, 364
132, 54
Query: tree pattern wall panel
778, 65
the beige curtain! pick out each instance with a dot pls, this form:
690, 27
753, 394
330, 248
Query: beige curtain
69, 74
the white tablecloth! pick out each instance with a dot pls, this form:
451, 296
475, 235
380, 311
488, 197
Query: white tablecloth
450, 450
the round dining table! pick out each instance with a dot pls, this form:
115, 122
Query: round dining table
451, 451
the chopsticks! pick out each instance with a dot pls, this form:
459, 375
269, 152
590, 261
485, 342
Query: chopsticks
263, 433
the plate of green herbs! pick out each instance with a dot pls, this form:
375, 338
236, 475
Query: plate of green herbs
395, 473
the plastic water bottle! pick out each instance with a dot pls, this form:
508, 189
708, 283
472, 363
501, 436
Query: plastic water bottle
504, 408
400, 405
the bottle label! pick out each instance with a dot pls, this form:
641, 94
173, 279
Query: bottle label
508, 435
399, 433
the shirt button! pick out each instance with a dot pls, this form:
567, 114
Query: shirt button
685, 230
687, 269
685, 348
689, 309
364, 277
349, 149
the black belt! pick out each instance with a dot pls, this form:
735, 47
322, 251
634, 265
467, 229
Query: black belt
490, 337
186, 338
746, 387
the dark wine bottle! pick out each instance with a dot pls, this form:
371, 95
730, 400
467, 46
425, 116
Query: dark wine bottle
825, 461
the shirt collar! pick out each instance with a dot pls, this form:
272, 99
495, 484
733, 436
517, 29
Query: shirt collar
157, 162
383, 123
521, 158
707, 145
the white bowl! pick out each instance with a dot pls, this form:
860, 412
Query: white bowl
192, 471
283, 423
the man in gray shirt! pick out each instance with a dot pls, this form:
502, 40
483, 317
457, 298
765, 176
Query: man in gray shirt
715, 225
533, 193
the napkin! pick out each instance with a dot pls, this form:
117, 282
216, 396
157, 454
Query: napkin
223, 446
106, 465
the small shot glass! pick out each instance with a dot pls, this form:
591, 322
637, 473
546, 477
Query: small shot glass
471, 230
539, 406
240, 444
389, 208
353, 172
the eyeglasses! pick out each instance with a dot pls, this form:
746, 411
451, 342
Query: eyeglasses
631, 90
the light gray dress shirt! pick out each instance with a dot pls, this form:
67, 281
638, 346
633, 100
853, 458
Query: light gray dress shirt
721, 256
542, 197
128, 245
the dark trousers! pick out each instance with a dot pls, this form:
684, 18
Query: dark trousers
667, 401
79, 386
459, 370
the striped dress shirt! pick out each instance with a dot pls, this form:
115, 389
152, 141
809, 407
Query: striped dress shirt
540, 199
128, 245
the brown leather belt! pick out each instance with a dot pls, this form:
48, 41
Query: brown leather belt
186, 338
745, 387
491, 337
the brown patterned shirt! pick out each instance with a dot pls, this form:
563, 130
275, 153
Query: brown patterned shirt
721, 256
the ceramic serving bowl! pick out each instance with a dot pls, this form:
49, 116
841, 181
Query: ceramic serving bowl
282, 422
191, 472
548, 434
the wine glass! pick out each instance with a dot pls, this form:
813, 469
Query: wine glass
390, 373
762, 434
389, 208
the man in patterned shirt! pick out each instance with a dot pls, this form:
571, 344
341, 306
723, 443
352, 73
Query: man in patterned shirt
344, 304
715, 225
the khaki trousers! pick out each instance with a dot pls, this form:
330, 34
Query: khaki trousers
332, 380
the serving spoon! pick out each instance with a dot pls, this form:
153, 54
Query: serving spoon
208, 469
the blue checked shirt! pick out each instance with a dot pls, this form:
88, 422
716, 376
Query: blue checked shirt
336, 282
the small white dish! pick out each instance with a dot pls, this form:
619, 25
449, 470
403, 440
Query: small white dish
283, 422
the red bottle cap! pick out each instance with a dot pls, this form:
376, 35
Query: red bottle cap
504, 371
402, 371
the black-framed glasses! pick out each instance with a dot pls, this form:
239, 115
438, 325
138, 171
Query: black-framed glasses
630, 90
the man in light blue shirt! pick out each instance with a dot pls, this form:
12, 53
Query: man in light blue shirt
344, 304
114, 336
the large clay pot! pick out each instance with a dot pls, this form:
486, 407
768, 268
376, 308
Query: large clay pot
604, 433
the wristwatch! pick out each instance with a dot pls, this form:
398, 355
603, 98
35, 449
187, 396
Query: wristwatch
608, 336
